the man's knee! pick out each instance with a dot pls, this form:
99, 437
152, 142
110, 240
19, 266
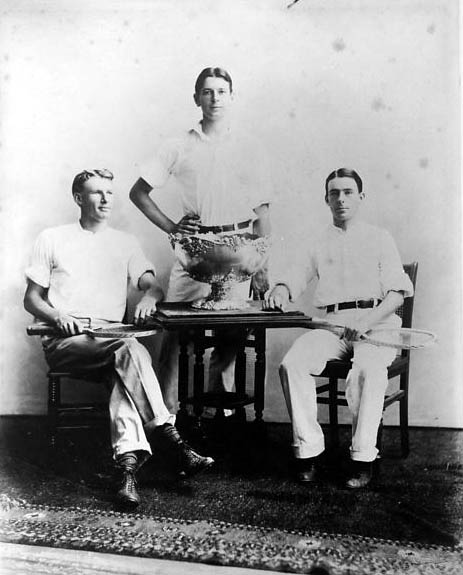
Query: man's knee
369, 372
134, 348
297, 359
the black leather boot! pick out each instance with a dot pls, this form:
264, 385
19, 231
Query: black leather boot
188, 461
127, 494
306, 470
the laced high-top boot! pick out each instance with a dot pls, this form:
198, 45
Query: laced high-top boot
189, 462
127, 495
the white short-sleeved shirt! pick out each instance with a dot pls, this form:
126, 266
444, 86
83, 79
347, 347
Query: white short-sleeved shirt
221, 179
87, 273
359, 263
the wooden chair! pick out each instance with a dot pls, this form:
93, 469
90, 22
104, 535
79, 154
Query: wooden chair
66, 415
331, 395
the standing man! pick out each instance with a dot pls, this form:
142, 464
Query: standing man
361, 283
81, 270
224, 185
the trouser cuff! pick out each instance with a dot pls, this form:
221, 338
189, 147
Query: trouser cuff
157, 422
305, 451
141, 448
365, 455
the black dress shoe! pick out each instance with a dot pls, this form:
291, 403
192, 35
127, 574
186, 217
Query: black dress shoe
306, 470
361, 474
127, 495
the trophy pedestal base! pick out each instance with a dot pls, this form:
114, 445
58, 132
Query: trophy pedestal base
215, 305
226, 295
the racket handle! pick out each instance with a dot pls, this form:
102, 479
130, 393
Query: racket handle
47, 329
41, 329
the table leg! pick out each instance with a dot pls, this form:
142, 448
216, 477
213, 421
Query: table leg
240, 375
198, 375
259, 373
183, 373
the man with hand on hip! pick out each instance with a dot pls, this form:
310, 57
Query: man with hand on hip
223, 179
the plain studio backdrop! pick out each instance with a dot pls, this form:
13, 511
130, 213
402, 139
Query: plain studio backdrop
366, 84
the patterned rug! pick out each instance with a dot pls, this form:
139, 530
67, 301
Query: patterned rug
219, 542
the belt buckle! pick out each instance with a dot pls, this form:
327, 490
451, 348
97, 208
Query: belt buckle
336, 308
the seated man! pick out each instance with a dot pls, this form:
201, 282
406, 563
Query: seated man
361, 283
82, 270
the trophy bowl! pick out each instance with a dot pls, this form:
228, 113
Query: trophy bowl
224, 262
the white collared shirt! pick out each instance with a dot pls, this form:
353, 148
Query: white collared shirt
359, 263
221, 179
87, 273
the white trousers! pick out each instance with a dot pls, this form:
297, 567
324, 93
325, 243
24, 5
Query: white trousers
136, 405
365, 386
222, 359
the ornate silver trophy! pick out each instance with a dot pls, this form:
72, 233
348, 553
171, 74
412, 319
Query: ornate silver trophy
224, 262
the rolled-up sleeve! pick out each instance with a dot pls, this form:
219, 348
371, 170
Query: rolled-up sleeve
41, 261
158, 169
138, 264
392, 274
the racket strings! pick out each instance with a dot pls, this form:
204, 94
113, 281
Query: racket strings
404, 338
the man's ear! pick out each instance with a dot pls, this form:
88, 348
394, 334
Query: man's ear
362, 195
196, 99
77, 198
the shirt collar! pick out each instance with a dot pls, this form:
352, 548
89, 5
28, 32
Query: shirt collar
88, 232
353, 227
197, 130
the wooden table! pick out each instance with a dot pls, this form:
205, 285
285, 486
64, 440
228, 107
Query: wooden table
192, 325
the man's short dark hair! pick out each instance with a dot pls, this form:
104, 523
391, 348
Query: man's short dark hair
212, 73
82, 177
344, 173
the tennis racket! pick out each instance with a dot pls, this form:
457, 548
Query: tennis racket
113, 330
398, 338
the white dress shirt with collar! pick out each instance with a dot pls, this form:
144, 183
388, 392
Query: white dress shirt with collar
221, 179
359, 263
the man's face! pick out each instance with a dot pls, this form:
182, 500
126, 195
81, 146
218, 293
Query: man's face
214, 98
95, 199
343, 198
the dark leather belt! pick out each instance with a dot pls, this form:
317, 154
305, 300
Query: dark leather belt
359, 304
225, 228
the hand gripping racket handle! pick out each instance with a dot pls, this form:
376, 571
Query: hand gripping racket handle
47, 329
114, 331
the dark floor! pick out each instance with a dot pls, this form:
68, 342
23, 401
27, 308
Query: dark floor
416, 499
